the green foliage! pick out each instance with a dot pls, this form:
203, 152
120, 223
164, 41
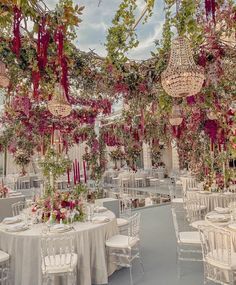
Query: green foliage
54, 165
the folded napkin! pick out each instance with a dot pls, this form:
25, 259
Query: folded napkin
12, 220
222, 210
15, 194
100, 219
60, 228
100, 209
218, 218
16, 227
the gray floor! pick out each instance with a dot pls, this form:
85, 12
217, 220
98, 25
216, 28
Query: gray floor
159, 254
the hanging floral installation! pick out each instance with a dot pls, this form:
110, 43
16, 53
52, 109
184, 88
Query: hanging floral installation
34, 60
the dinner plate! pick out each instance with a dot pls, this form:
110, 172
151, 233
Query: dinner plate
12, 220
232, 226
221, 210
100, 219
17, 228
100, 209
60, 228
218, 218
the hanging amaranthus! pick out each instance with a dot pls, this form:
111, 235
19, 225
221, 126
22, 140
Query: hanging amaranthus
59, 38
16, 42
210, 7
42, 47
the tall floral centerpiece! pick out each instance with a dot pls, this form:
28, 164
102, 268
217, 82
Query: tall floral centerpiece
53, 165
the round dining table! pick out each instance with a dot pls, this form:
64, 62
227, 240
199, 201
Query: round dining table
228, 224
212, 199
24, 249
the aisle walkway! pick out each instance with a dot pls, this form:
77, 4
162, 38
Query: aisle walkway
159, 258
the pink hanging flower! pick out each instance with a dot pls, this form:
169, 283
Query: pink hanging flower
191, 100
142, 88
121, 88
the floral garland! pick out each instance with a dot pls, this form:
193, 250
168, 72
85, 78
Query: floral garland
99, 79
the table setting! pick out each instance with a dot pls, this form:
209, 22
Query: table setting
59, 214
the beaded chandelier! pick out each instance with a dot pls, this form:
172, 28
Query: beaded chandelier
4, 81
175, 118
58, 105
182, 76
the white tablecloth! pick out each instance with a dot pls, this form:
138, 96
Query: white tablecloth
212, 200
25, 257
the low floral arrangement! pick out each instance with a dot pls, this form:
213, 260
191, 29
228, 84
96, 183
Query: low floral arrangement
66, 207
3, 191
117, 154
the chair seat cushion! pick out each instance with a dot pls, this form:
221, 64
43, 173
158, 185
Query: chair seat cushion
4, 256
177, 200
59, 264
190, 237
121, 241
198, 223
122, 222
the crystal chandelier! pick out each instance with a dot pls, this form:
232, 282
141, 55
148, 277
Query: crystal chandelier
58, 105
4, 81
182, 76
176, 118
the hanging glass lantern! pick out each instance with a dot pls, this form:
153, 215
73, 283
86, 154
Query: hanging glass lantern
4, 81
176, 118
182, 76
58, 105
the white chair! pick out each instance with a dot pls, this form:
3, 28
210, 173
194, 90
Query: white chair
195, 213
17, 208
191, 183
154, 182
189, 239
58, 258
218, 257
124, 214
174, 199
139, 182
4, 268
123, 249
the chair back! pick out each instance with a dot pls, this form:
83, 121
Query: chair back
191, 183
229, 199
216, 246
175, 222
193, 209
134, 226
57, 251
17, 208
125, 208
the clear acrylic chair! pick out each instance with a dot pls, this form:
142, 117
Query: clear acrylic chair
123, 249
188, 244
218, 257
191, 183
125, 206
58, 258
4, 268
17, 208
195, 213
